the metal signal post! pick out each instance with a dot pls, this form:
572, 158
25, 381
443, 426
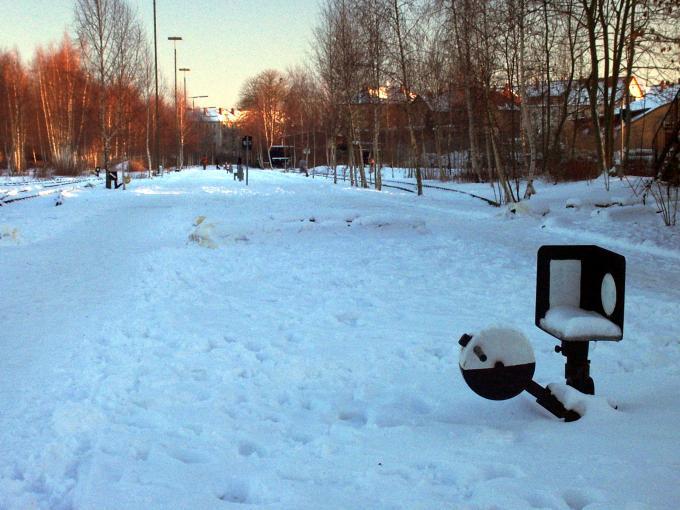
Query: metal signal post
247, 143
174, 40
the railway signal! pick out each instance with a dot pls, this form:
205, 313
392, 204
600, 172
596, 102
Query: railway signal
579, 298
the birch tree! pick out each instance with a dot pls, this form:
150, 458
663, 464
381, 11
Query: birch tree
461, 20
326, 68
403, 22
609, 24
373, 32
63, 90
487, 49
105, 30
14, 98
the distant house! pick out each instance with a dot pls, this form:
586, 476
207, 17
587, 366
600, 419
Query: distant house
578, 95
646, 115
645, 108
218, 133
440, 121
231, 117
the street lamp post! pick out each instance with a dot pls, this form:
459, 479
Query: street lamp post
184, 70
157, 136
174, 40
212, 130
192, 100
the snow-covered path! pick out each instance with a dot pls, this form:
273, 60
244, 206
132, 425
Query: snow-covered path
310, 360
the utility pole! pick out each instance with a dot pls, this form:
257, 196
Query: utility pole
184, 70
212, 129
174, 40
193, 105
247, 143
157, 133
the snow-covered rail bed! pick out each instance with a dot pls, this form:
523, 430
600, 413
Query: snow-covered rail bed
15, 191
27, 181
306, 357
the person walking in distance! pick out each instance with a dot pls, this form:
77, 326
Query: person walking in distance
239, 169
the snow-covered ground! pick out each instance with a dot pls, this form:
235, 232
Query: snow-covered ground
296, 348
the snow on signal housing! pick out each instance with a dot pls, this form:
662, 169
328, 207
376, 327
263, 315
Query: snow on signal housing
497, 363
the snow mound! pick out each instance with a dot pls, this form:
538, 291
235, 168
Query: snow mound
390, 221
573, 323
630, 213
602, 199
203, 233
9, 235
590, 407
212, 235
534, 208
76, 418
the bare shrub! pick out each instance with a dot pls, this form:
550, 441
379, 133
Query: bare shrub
665, 190
575, 170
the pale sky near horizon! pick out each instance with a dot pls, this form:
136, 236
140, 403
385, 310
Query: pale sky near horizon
225, 41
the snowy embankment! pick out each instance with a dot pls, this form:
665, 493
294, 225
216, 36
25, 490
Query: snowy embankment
306, 356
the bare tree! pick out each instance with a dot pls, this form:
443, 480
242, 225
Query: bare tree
147, 93
487, 65
371, 23
326, 67
461, 20
404, 19
520, 17
107, 31
435, 75
350, 59
299, 107
568, 58
63, 92
609, 24
339, 60
14, 99
264, 95
515, 66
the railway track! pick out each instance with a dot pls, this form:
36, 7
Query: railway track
453, 190
36, 189
401, 185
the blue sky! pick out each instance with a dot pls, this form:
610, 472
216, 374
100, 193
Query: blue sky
225, 41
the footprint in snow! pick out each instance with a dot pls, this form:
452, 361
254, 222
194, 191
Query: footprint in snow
248, 448
578, 499
495, 471
407, 410
237, 491
347, 318
187, 456
354, 417
253, 346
